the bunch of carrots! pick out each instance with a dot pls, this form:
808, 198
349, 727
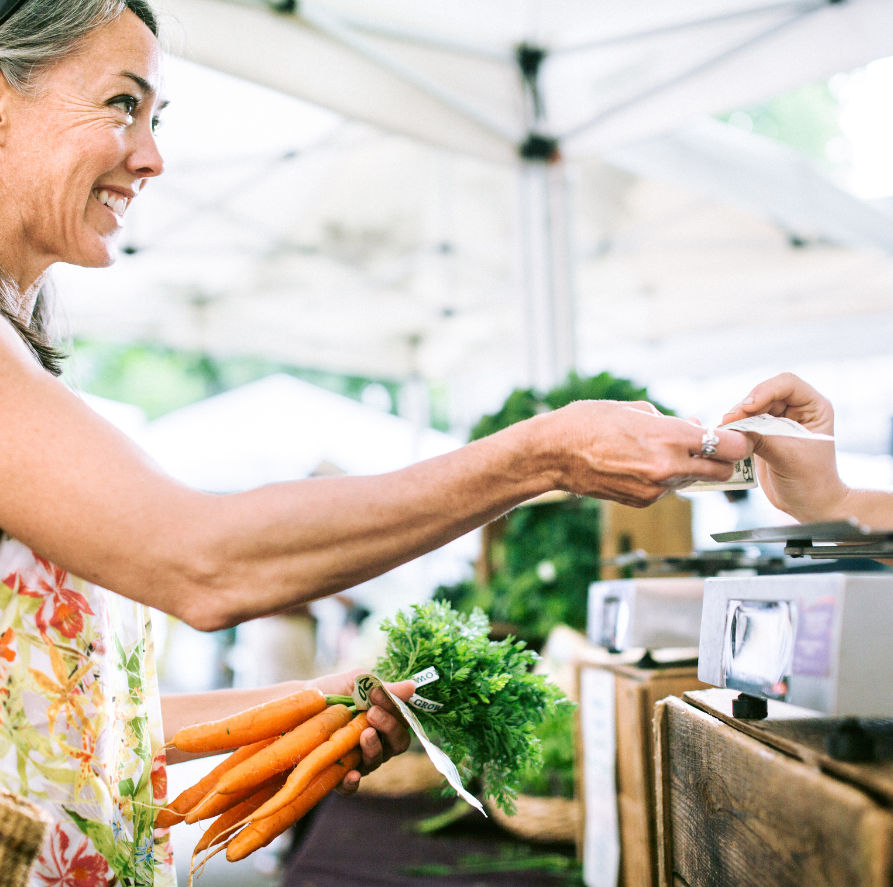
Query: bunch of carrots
290, 753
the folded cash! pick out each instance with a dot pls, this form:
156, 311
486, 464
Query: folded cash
775, 425
744, 478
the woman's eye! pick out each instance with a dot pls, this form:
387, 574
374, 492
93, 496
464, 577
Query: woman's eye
156, 122
127, 103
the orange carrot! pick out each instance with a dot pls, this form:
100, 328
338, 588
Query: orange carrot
260, 832
186, 800
286, 751
219, 829
260, 722
337, 746
213, 803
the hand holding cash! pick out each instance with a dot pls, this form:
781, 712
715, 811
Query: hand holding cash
745, 476
794, 457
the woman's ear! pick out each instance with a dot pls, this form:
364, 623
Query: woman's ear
9, 97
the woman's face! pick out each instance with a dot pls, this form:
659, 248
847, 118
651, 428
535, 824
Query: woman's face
74, 158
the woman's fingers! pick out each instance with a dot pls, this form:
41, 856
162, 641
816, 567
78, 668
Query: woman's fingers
390, 728
349, 784
634, 455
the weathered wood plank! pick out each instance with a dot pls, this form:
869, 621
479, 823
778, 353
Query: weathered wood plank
801, 734
737, 813
637, 693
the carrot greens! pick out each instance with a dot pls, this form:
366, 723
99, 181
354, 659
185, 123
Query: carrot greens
492, 701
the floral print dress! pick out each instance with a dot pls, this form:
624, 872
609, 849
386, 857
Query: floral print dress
80, 724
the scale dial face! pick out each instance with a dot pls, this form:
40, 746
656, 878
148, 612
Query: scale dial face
758, 648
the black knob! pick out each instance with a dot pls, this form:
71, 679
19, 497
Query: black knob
751, 708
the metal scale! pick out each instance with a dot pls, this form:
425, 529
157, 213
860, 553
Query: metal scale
662, 608
820, 641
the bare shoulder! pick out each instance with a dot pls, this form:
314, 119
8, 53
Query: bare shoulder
20, 369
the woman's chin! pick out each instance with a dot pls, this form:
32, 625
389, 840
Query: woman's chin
97, 255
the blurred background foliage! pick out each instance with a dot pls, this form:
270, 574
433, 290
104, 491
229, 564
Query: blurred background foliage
806, 118
555, 778
541, 558
160, 380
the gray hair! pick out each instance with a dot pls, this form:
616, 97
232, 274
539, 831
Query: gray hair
43, 31
36, 36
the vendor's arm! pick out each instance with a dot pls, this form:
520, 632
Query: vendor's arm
800, 477
81, 494
388, 735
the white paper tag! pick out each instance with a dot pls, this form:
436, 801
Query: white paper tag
423, 704
362, 690
425, 676
601, 841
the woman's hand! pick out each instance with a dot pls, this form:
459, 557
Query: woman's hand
799, 477
631, 453
388, 735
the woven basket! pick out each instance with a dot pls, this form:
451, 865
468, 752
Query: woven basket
23, 826
404, 774
545, 820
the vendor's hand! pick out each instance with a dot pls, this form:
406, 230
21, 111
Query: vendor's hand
799, 477
632, 454
388, 734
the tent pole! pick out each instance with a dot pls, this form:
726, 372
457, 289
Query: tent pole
545, 262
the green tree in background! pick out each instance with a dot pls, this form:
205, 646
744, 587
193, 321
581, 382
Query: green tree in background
160, 380
806, 118
546, 555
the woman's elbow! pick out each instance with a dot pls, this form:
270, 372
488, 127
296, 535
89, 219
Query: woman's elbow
201, 597
207, 615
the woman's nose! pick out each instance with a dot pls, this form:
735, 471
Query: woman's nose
145, 160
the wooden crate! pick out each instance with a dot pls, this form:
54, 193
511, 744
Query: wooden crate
635, 693
663, 528
760, 803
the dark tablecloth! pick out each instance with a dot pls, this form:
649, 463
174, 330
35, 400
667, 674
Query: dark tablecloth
366, 841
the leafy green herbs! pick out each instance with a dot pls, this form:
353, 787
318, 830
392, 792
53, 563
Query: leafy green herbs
543, 558
555, 779
492, 702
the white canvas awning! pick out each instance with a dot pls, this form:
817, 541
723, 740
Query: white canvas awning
287, 231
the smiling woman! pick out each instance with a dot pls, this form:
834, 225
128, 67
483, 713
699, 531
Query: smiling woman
23, 62
95, 533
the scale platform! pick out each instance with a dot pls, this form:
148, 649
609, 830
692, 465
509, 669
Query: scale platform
830, 539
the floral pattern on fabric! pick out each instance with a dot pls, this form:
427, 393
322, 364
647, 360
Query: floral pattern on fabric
80, 724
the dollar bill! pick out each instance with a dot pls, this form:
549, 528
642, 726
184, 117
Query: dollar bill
774, 425
743, 478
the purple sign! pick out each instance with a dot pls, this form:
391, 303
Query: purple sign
812, 645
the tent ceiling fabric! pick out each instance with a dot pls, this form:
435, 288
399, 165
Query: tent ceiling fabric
286, 231
612, 73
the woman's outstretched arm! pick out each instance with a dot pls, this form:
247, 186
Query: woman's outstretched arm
84, 496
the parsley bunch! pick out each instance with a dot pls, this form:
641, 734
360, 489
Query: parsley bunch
492, 702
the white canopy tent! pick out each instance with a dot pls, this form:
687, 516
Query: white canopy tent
283, 230
542, 80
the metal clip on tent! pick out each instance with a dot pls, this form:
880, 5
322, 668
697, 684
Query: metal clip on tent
823, 540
